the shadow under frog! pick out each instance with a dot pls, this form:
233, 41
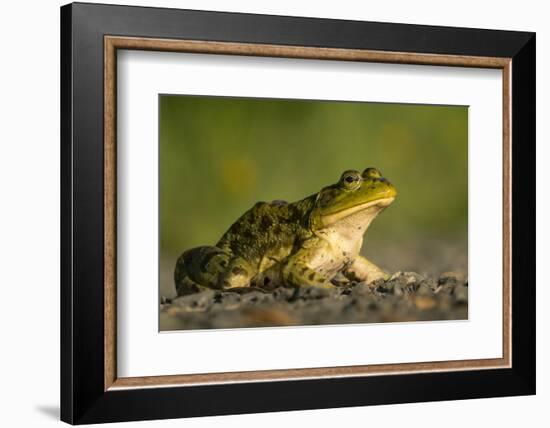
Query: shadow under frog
304, 243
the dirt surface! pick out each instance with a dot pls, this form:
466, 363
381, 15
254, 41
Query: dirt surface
406, 296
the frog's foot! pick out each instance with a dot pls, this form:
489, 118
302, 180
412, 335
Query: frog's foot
340, 280
363, 270
237, 275
268, 279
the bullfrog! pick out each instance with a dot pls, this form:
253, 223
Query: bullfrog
304, 243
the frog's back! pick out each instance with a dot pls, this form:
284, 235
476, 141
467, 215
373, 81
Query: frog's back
265, 228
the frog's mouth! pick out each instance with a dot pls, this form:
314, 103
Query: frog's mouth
370, 208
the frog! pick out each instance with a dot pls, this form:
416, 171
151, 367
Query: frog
307, 243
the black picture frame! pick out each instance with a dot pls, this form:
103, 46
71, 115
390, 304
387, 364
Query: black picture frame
83, 396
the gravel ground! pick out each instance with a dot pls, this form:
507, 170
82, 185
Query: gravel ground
406, 296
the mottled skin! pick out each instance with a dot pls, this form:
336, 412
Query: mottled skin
304, 243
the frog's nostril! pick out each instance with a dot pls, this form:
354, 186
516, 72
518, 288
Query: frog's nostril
383, 180
391, 191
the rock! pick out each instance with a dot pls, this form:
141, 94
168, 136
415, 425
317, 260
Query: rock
405, 296
257, 297
313, 293
401, 283
451, 278
424, 289
460, 294
413, 277
196, 302
343, 292
283, 294
387, 287
430, 283
362, 289
228, 300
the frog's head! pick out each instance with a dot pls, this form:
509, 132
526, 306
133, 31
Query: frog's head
355, 200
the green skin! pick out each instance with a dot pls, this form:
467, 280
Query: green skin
305, 243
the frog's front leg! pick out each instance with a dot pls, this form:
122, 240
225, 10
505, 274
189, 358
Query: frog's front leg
210, 267
363, 270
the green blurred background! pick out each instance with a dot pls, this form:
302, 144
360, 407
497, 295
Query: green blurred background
220, 155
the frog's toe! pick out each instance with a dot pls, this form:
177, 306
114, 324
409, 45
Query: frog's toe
340, 280
387, 276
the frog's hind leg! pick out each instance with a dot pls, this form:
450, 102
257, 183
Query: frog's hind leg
211, 267
200, 267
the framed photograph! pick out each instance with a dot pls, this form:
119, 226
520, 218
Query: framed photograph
265, 213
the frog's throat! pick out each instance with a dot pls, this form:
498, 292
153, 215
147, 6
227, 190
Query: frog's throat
378, 204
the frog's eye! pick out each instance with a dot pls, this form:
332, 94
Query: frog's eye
371, 173
351, 179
